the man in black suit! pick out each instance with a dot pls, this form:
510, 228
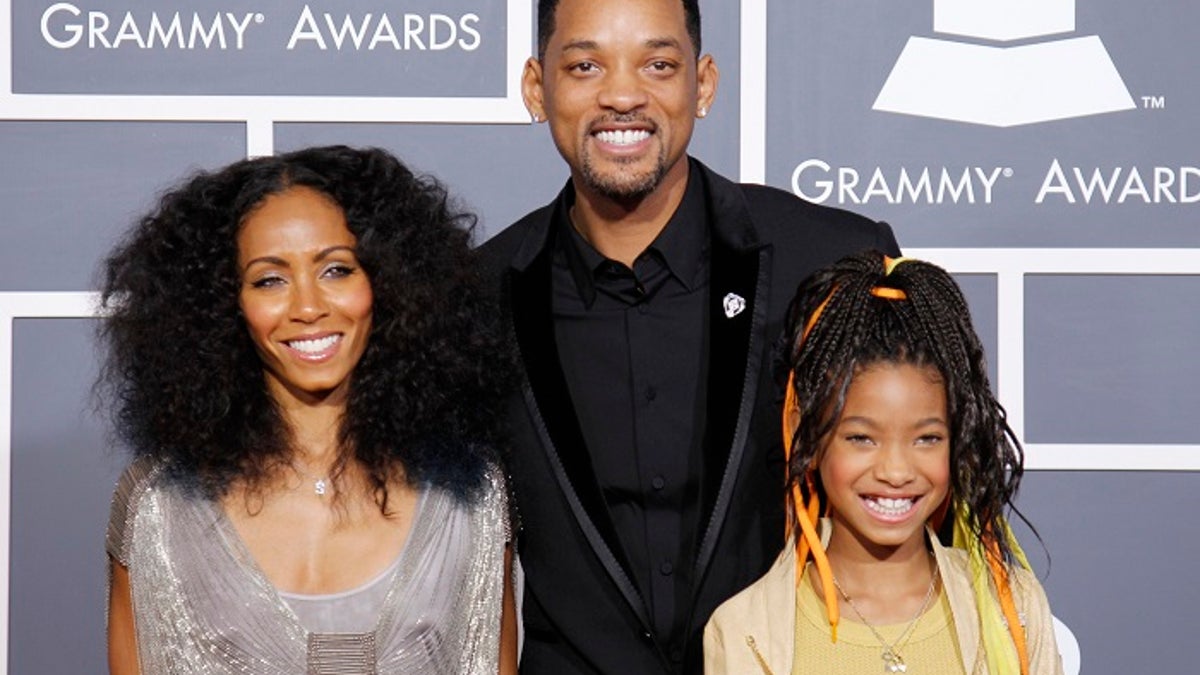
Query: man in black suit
646, 458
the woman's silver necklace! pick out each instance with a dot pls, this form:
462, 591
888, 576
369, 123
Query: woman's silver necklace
892, 661
320, 485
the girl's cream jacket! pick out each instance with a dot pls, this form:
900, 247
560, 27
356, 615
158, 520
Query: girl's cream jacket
754, 631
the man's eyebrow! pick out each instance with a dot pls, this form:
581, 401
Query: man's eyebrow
651, 43
581, 45
662, 43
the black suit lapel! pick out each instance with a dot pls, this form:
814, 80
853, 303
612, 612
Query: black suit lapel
740, 276
549, 403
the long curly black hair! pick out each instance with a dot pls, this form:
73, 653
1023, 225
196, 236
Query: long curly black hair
862, 320
184, 380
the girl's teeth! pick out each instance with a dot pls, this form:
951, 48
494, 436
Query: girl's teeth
888, 506
624, 137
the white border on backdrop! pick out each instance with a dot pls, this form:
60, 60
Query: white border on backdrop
1010, 266
260, 113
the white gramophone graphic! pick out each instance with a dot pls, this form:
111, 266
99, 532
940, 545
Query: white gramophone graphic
1004, 86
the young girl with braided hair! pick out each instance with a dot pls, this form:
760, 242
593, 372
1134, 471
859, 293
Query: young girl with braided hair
900, 467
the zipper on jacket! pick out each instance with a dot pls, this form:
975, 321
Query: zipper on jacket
758, 655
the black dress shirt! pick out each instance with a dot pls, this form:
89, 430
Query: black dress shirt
633, 345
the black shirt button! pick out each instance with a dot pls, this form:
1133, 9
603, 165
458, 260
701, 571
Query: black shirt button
658, 482
676, 655
666, 568
647, 636
651, 393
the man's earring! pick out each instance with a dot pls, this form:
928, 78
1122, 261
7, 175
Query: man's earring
703, 112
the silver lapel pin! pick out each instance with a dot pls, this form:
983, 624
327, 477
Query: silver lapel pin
734, 304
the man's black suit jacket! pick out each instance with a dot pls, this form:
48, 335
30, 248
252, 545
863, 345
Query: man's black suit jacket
581, 612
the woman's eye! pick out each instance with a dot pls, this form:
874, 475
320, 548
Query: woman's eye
266, 282
339, 270
858, 438
930, 439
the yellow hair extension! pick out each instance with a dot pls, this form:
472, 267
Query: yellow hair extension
1004, 646
890, 263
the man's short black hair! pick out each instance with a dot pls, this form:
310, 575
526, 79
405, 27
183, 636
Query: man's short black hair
548, 8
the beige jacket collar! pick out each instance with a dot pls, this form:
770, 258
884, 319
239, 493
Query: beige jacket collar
755, 630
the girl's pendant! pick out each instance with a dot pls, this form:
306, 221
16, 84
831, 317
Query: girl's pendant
892, 663
320, 486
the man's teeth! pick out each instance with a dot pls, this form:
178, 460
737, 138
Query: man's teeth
623, 137
314, 346
888, 506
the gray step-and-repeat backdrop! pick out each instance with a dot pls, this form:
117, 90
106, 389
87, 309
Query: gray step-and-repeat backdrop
1044, 150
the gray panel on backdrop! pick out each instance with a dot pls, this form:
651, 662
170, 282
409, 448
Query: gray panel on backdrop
1111, 359
62, 480
499, 172
1123, 550
416, 48
980, 292
1138, 180
83, 183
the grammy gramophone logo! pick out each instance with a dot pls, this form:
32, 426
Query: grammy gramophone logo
1048, 75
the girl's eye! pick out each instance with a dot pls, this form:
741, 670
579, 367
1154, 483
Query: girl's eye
858, 438
930, 439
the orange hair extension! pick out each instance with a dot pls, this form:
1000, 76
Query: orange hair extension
889, 293
806, 515
809, 543
1007, 606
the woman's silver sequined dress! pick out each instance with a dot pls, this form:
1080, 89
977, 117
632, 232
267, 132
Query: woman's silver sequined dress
202, 606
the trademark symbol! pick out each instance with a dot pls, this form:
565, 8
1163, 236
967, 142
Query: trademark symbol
1008, 172
259, 18
1154, 102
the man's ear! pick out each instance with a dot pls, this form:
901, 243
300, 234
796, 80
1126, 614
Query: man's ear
707, 78
532, 90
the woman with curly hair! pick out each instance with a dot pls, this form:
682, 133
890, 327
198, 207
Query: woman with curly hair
893, 436
303, 362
